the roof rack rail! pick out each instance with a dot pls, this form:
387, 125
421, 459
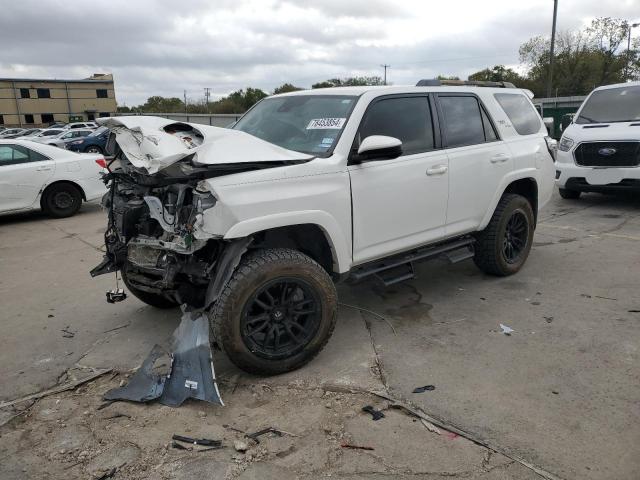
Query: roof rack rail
434, 82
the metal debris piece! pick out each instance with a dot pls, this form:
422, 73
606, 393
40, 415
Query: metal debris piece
426, 388
254, 436
506, 330
548, 319
355, 447
375, 414
192, 374
205, 442
145, 385
430, 426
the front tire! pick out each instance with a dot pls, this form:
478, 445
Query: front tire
276, 313
504, 245
569, 194
61, 200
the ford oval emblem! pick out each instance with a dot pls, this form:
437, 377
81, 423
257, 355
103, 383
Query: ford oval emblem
607, 152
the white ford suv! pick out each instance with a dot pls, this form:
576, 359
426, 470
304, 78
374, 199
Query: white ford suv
600, 150
254, 224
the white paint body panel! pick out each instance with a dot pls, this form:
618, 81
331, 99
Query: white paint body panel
366, 211
21, 185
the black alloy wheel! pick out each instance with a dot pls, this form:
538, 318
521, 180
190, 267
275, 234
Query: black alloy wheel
515, 236
280, 318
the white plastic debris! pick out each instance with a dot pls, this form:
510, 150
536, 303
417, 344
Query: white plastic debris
506, 330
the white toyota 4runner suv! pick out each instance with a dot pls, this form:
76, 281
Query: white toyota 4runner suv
254, 224
600, 150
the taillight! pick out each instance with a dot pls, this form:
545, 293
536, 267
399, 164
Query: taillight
102, 162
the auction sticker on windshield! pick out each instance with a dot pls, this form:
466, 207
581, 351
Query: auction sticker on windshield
326, 123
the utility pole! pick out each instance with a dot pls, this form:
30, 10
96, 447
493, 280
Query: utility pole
185, 101
633, 25
551, 52
207, 94
385, 66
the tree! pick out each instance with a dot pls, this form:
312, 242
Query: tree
584, 59
158, 104
286, 87
349, 82
447, 77
499, 73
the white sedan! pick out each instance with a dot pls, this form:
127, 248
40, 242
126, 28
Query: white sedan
36, 176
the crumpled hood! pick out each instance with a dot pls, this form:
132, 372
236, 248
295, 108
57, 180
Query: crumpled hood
153, 143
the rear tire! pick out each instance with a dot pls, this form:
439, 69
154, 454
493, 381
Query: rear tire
276, 313
504, 245
61, 200
149, 298
569, 194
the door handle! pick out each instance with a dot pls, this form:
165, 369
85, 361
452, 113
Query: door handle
499, 158
437, 170
43, 169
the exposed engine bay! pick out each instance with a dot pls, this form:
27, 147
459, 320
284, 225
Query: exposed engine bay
153, 235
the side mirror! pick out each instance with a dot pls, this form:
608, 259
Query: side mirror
379, 147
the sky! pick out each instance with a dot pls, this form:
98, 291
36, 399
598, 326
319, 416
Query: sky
164, 47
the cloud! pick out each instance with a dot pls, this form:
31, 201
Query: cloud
164, 47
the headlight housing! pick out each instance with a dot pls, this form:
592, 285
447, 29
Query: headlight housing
565, 144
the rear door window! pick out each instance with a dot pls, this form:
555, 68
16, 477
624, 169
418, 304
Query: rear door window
518, 108
463, 122
405, 118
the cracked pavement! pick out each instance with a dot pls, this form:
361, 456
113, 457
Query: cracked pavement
560, 396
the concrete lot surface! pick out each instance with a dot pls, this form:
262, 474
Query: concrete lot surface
558, 398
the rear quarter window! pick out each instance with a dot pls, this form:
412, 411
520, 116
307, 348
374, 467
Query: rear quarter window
521, 113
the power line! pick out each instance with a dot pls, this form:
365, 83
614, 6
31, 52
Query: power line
207, 94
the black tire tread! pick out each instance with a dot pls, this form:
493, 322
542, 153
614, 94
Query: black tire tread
50, 190
485, 257
248, 265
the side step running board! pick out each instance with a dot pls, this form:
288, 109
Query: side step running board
400, 267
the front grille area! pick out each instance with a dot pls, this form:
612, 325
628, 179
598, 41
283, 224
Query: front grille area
608, 154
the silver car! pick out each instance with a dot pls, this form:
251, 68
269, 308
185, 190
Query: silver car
66, 136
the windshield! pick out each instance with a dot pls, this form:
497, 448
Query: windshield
305, 123
611, 105
97, 132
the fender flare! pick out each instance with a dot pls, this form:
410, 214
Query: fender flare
340, 247
528, 173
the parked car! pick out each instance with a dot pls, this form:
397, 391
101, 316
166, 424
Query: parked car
600, 150
12, 132
73, 125
93, 143
66, 136
255, 224
46, 133
36, 176
57, 125
31, 132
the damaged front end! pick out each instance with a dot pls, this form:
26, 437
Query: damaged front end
158, 195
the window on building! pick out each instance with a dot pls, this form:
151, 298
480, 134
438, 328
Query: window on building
463, 122
102, 93
24, 93
104, 114
28, 118
518, 108
1, 120
44, 93
91, 116
405, 118
47, 117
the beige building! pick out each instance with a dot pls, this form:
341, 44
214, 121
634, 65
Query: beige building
26, 102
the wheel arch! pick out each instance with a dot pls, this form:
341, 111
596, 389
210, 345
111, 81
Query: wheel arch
58, 182
527, 186
308, 238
